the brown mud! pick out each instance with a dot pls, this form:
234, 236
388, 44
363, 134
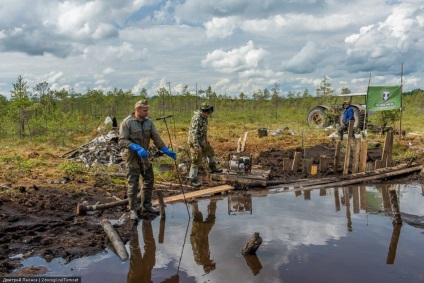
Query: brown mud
39, 219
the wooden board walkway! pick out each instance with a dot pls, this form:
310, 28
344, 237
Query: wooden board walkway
195, 194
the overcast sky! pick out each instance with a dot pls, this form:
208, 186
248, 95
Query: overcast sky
231, 45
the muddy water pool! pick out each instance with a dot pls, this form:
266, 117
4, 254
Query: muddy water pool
328, 235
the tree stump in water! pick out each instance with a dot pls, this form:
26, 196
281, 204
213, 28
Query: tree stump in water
254, 243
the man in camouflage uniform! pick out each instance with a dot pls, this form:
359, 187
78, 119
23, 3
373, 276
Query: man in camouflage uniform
199, 144
135, 133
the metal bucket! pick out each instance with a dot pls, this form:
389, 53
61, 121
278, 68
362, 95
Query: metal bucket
262, 132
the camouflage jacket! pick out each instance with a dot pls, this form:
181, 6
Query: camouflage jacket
141, 132
198, 133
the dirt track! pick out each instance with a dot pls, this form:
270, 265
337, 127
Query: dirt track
39, 219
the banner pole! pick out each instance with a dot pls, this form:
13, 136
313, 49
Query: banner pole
401, 102
366, 102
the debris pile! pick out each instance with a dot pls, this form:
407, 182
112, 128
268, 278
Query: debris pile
103, 150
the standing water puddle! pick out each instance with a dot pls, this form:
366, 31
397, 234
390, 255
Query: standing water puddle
328, 235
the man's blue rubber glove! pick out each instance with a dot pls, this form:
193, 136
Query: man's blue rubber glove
169, 152
140, 151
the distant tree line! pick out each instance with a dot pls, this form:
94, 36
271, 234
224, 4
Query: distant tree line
57, 115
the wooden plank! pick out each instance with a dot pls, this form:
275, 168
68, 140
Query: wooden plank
337, 157
363, 156
199, 193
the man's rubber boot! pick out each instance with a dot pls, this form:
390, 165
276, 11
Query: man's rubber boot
146, 202
149, 208
133, 208
213, 169
192, 176
133, 215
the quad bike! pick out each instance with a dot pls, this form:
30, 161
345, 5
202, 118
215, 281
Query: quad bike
322, 116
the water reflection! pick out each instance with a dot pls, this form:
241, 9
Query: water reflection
199, 237
141, 266
393, 244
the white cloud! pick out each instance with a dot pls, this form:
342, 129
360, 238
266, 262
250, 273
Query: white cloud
220, 27
234, 60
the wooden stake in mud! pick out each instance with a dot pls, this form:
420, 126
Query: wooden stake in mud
306, 165
113, 236
363, 156
348, 149
337, 157
356, 153
253, 245
287, 165
387, 149
395, 207
323, 163
296, 161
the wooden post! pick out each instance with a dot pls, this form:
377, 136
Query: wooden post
252, 245
363, 198
337, 158
336, 199
161, 231
306, 165
395, 207
386, 149
323, 163
377, 164
113, 236
386, 198
296, 161
356, 154
363, 157
307, 194
243, 144
355, 198
161, 205
347, 203
422, 173
287, 165
314, 170
348, 149
390, 150
239, 144
391, 255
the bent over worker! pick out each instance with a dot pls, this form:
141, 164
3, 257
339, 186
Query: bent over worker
135, 133
348, 115
199, 144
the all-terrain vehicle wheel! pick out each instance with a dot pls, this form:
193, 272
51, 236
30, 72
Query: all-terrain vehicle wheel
318, 117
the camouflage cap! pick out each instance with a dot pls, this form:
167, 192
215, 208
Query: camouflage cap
346, 102
141, 104
206, 107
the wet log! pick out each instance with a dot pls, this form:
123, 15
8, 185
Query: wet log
358, 178
397, 220
169, 184
252, 245
116, 241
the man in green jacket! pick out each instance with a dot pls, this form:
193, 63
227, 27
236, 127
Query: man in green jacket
135, 133
199, 144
